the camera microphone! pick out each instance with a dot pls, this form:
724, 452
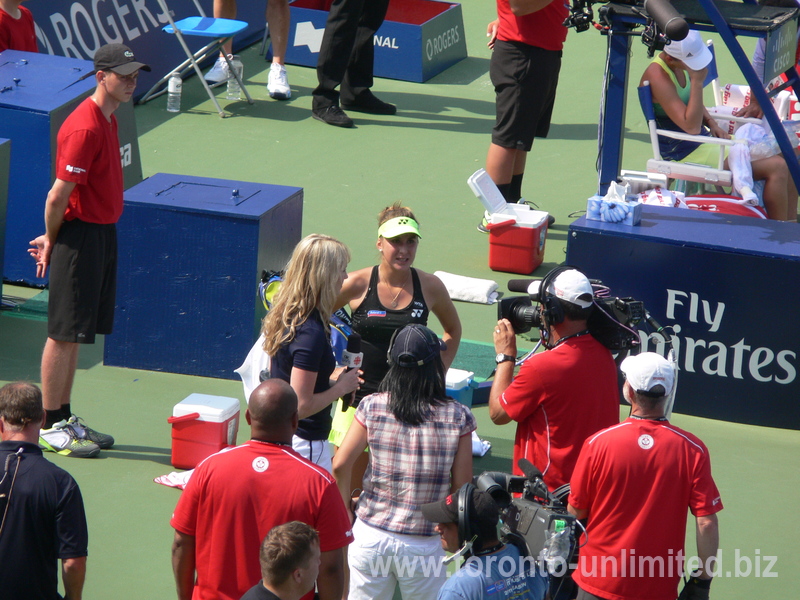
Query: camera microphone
535, 477
528, 469
352, 357
667, 18
525, 286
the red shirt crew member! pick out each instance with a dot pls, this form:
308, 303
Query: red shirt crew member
634, 482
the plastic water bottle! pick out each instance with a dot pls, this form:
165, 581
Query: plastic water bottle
234, 91
174, 87
556, 548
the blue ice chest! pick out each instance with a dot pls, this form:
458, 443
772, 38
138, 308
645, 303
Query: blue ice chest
191, 251
40, 92
460, 385
418, 39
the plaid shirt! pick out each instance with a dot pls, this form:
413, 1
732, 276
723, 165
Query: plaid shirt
408, 465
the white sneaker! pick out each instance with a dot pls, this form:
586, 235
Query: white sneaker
219, 72
278, 84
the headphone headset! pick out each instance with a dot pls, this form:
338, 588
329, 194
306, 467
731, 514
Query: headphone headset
468, 529
552, 311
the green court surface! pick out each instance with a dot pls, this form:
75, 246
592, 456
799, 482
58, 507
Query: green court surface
421, 156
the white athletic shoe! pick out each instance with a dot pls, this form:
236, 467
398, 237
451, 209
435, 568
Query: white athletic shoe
278, 84
219, 72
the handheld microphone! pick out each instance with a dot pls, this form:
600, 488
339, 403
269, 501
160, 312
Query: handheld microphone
667, 18
352, 357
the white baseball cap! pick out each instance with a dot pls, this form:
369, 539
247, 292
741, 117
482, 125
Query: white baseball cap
572, 286
648, 370
692, 50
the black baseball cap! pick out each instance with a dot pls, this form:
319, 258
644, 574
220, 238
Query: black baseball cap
415, 345
118, 58
484, 508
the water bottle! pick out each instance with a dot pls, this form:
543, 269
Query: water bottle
234, 91
174, 86
556, 549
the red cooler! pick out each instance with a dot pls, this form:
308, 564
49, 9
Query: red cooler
517, 246
201, 426
516, 233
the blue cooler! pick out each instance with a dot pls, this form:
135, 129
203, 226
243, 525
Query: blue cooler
460, 385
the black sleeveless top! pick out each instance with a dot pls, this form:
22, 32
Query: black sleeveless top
375, 324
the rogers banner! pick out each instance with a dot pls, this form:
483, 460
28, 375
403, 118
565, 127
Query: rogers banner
79, 28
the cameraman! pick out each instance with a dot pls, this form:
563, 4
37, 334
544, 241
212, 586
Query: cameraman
634, 482
561, 396
494, 568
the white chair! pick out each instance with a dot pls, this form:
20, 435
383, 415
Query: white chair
718, 177
219, 31
678, 170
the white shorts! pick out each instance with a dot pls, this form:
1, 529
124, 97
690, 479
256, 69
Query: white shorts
317, 451
381, 560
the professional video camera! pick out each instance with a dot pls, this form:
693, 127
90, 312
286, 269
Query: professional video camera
663, 22
537, 522
611, 323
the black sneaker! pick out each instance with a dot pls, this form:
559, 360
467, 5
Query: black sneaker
367, 102
103, 440
332, 115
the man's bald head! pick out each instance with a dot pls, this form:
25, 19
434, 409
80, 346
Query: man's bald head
273, 406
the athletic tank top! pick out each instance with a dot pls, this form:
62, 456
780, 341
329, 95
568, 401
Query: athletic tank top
672, 149
376, 324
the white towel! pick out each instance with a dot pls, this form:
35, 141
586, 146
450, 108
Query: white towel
469, 289
175, 479
479, 447
256, 361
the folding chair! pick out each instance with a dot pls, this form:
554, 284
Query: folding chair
219, 30
678, 170
703, 174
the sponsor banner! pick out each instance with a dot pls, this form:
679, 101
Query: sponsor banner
719, 283
78, 28
415, 42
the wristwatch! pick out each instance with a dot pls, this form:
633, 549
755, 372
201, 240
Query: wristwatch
501, 358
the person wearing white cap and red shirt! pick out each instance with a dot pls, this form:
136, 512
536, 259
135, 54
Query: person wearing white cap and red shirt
676, 79
634, 482
561, 396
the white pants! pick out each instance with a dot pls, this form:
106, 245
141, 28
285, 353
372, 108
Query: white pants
381, 560
317, 451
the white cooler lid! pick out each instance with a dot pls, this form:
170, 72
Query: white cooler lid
455, 379
524, 215
214, 409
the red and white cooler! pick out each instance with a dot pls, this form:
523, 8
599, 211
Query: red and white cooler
517, 233
201, 426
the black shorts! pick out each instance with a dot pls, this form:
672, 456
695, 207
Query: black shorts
525, 80
83, 282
